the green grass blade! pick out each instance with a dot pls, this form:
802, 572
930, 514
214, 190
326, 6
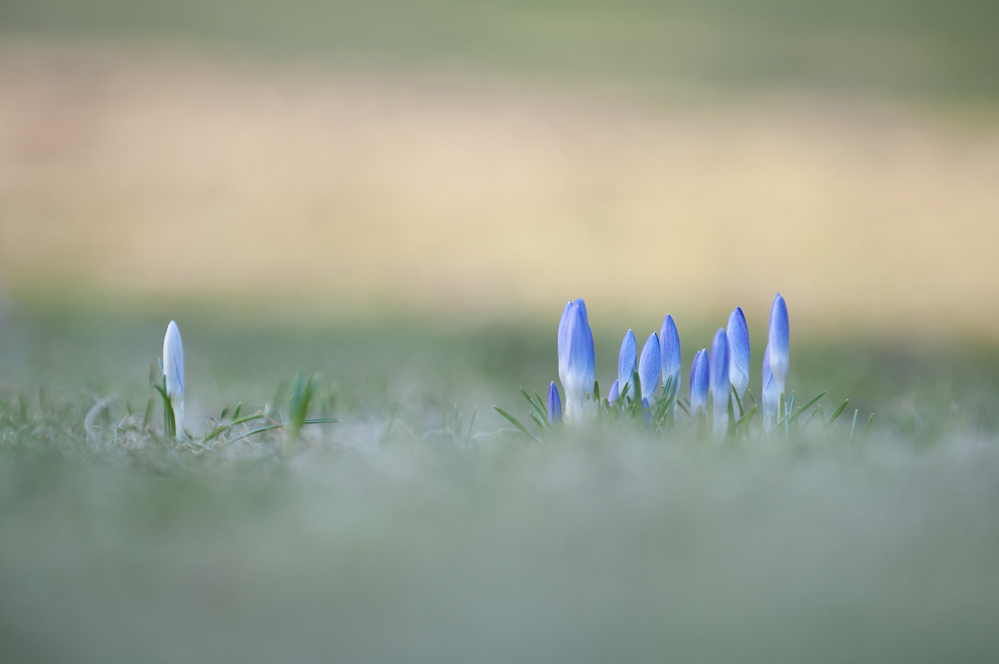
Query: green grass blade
544, 406
169, 419
513, 420
269, 427
808, 405
541, 424
745, 419
543, 416
738, 401
839, 410
471, 422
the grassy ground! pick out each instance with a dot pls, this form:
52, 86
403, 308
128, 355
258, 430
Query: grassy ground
389, 537
362, 189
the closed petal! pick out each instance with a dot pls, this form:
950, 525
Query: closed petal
779, 341
771, 397
562, 342
579, 371
693, 371
700, 381
173, 361
719, 364
627, 362
554, 405
738, 348
614, 394
650, 366
669, 342
720, 385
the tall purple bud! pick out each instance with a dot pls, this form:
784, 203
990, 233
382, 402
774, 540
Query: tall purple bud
780, 336
577, 345
650, 367
699, 382
669, 342
173, 371
561, 341
738, 349
627, 365
719, 381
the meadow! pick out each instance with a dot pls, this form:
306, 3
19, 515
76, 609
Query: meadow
396, 199
393, 535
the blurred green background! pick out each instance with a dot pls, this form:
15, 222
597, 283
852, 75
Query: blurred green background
493, 159
920, 49
401, 196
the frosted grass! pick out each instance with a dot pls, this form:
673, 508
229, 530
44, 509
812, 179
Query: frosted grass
412, 532
605, 545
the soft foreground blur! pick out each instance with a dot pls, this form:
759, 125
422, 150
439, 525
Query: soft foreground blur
607, 547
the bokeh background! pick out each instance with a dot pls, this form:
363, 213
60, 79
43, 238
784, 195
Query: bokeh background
401, 195
479, 161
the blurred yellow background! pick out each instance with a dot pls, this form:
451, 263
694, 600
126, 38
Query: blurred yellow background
142, 168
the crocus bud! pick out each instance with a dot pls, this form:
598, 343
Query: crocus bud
614, 393
650, 367
561, 342
780, 335
554, 405
771, 397
699, 382
669, 342
719, 381
627, 364
738, 349
173, 370
579, 362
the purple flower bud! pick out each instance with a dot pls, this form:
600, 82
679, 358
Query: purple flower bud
650, 367
780, 335
579, 362
173, 371
562, 343
738, 348
699, 382
627, 363
614, 393
719, 381
669, 342
554, 405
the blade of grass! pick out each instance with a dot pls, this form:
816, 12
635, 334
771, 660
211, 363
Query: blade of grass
745, 419
839, 410
541, 401
738, 401
513, 420
867, 427
534, 406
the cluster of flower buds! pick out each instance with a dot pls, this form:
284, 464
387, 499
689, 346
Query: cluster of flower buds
713, 378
